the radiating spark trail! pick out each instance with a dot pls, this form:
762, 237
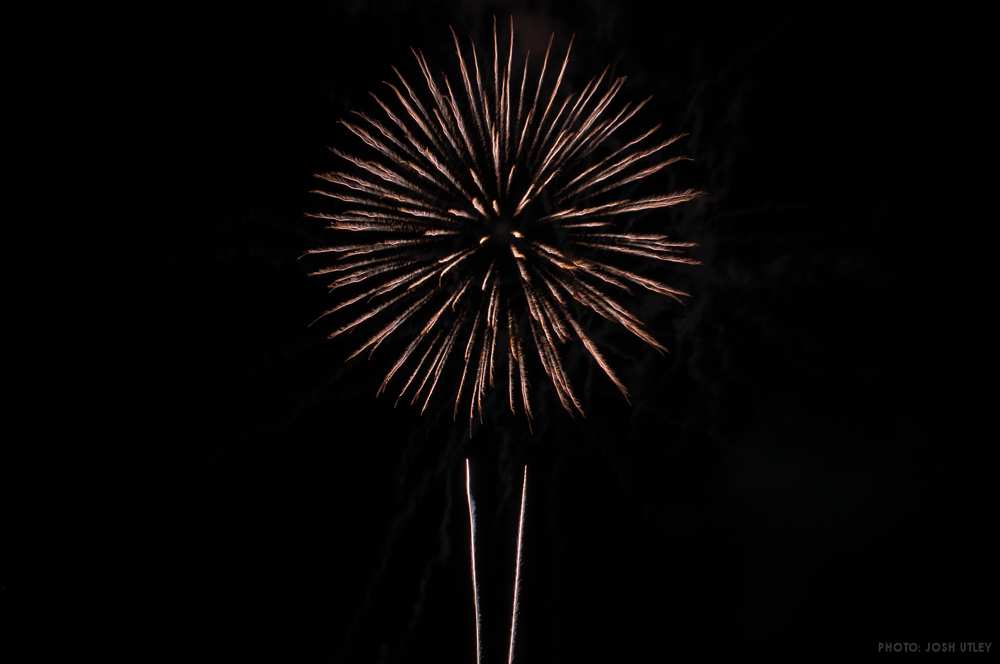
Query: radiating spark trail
452, 188
517, 568
472, 550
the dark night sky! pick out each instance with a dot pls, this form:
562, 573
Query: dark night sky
793, 479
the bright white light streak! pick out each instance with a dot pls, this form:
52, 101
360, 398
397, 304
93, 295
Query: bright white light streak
472, 548
517, 568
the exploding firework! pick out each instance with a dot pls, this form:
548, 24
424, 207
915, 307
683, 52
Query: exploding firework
487, 224
488, 214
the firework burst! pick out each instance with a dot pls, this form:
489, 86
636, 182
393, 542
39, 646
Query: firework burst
488, 213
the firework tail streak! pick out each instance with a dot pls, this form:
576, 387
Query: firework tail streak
487, 213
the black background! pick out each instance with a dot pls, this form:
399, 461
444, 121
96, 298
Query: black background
796, 478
